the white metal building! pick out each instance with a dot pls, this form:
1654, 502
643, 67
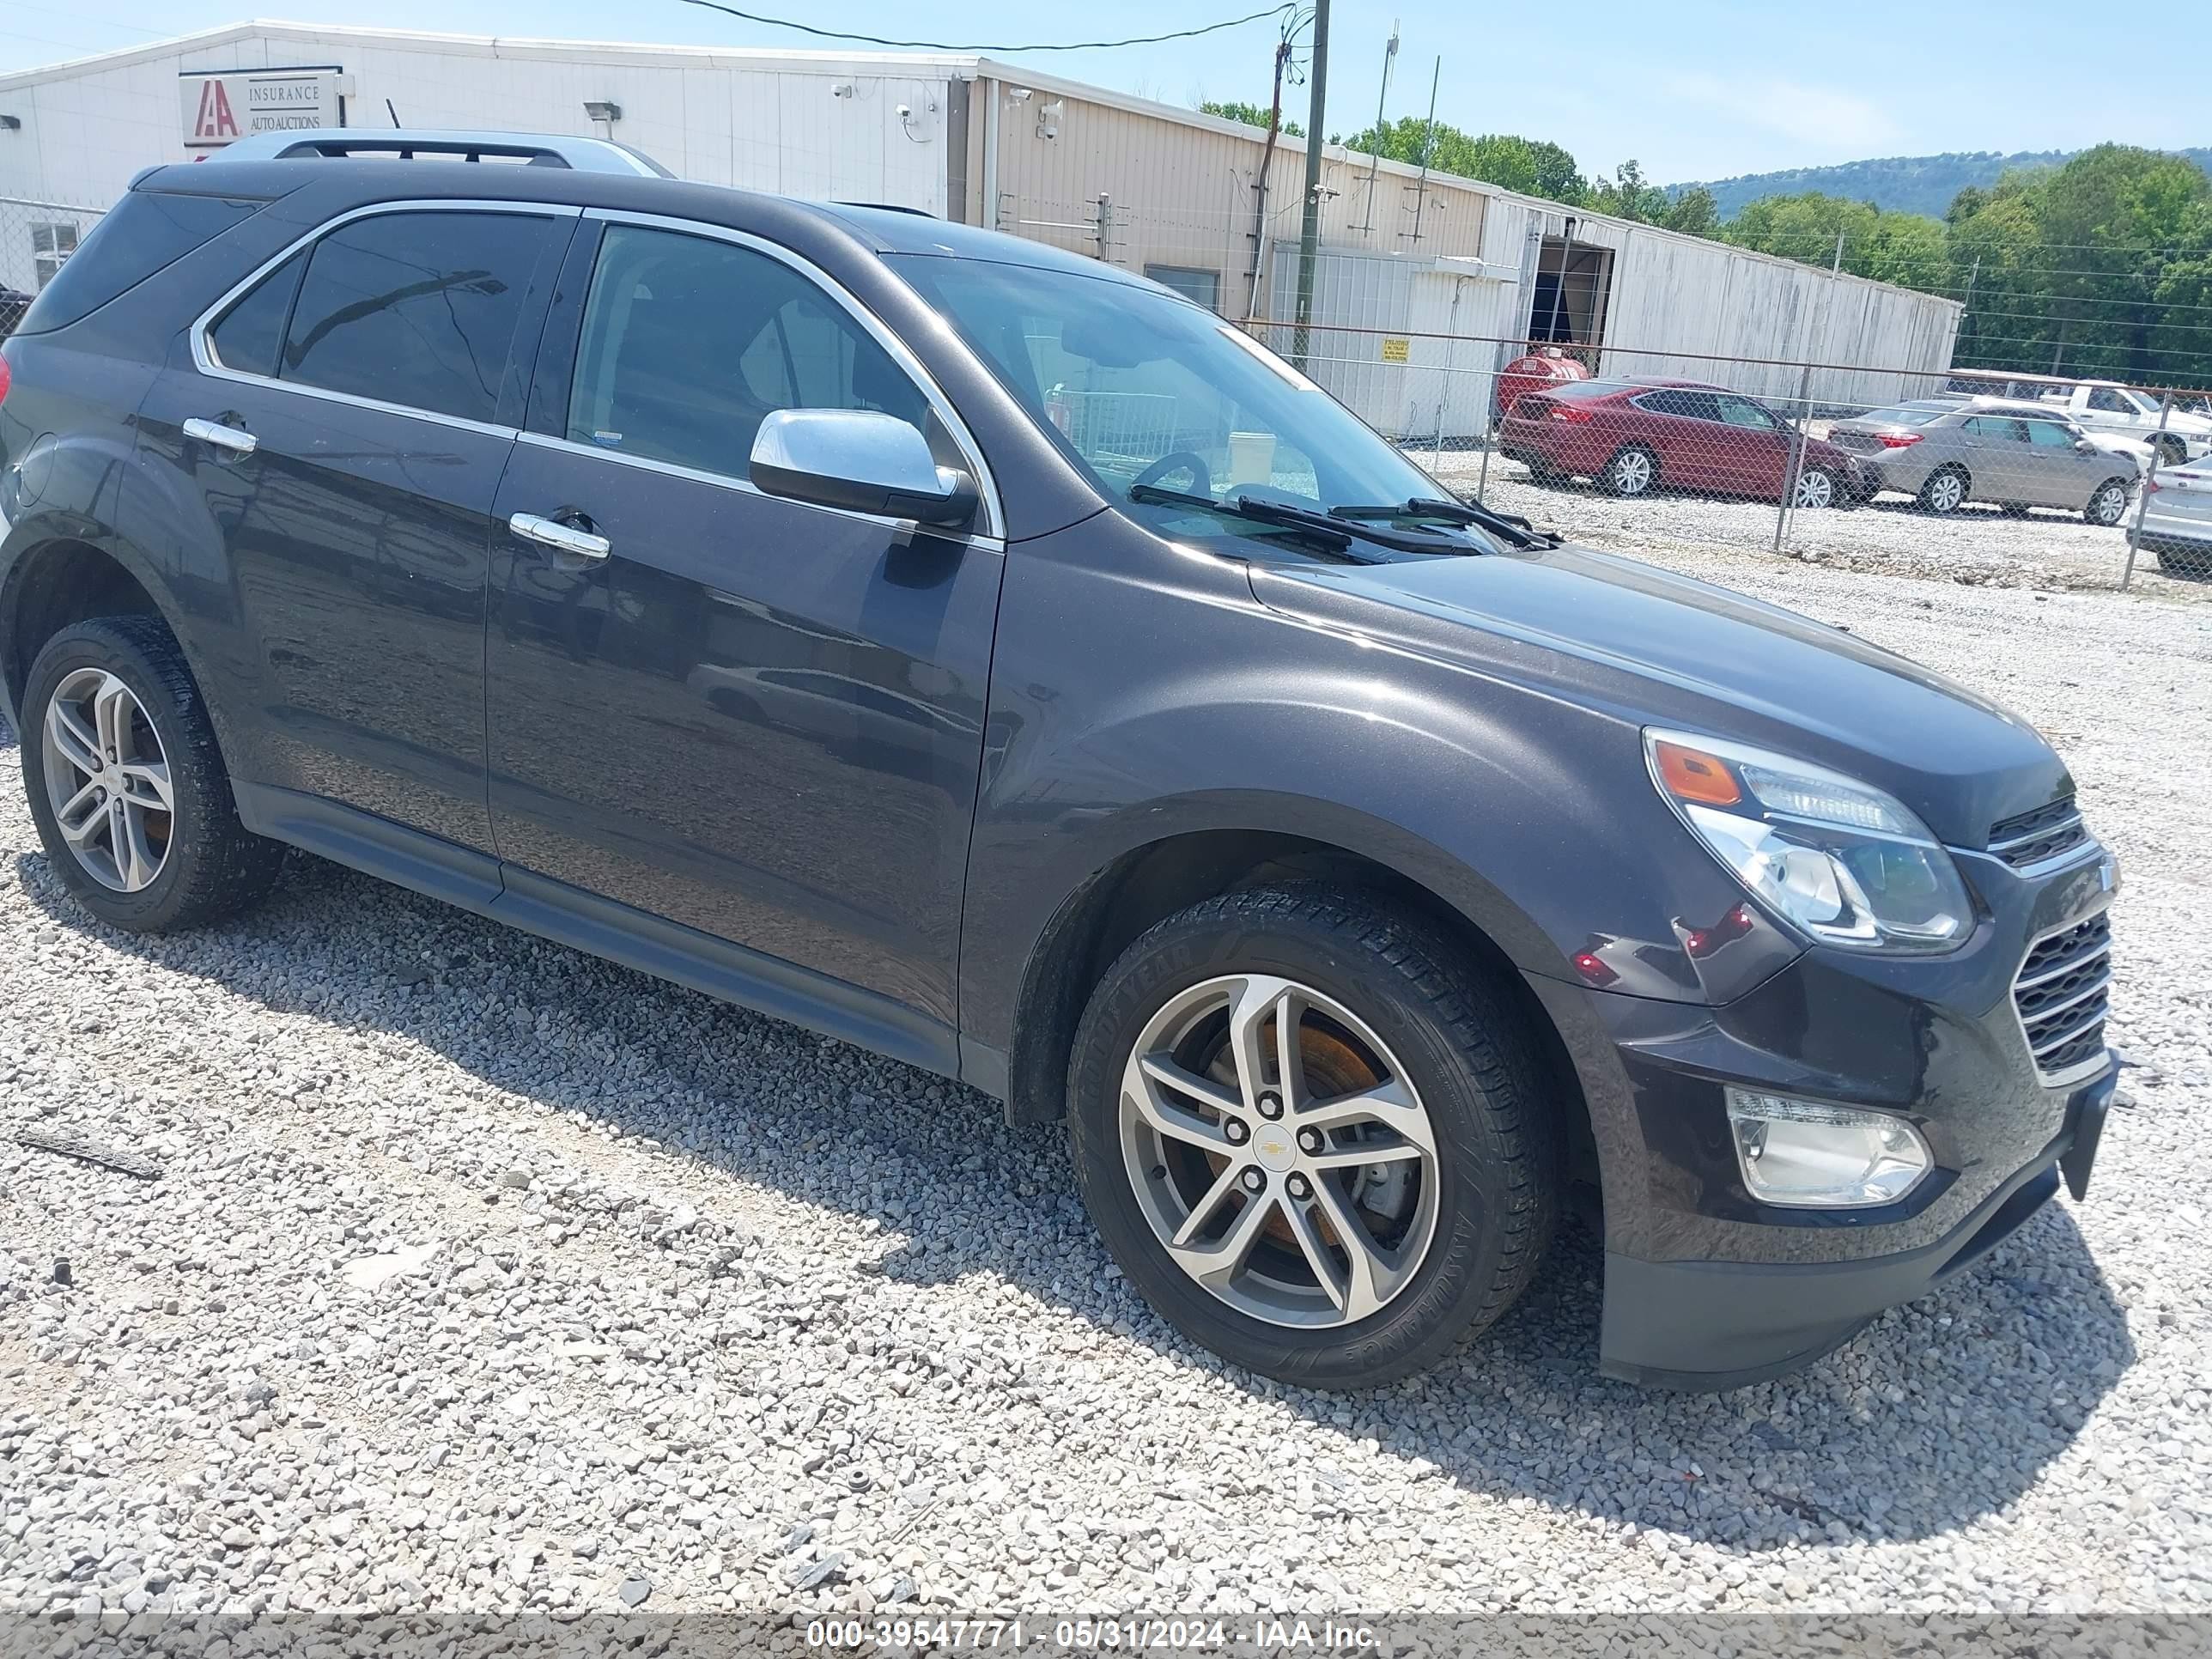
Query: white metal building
1423, 281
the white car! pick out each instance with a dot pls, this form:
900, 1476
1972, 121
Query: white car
2176, 519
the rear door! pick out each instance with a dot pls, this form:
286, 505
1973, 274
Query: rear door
757, 719
345, 416
2002, 466
1683, 426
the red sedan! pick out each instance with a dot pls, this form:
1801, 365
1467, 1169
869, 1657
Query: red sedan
1634, 437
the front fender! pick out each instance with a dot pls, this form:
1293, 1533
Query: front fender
1179, 704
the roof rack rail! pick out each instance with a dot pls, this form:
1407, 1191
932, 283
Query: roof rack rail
541, 149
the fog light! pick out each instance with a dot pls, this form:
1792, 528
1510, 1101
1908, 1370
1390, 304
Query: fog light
1818, 1156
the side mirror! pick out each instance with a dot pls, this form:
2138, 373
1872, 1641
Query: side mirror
2083, 446
860, 459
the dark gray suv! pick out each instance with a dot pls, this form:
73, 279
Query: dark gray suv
987, 657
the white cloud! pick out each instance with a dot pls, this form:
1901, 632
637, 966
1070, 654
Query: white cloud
1824, 119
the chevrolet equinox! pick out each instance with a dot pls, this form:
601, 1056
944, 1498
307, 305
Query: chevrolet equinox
977, 653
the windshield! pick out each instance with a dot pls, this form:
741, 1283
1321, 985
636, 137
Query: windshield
1141, 389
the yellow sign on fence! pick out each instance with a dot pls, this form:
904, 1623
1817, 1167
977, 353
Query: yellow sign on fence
1395, 348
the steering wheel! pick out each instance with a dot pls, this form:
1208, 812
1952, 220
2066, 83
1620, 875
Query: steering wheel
1179, 461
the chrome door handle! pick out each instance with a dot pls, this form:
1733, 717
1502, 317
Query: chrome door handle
536, 527
234, 439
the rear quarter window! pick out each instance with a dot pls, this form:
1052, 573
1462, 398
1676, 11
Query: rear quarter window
144, 232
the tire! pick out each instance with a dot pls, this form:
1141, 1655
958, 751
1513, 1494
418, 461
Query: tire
1818, 487
207, 866
1944, 491
2107, 504
2194, 564
2171, 451
1379, 993
1548, 476
1632, 472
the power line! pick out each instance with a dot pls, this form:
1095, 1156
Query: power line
940, 46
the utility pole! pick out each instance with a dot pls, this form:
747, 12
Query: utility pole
1374, 149
1309, 229
1266, 165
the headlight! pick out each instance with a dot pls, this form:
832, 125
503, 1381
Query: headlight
1847, 864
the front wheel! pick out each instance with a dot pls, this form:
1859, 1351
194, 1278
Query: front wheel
1314, 1138
2108, 503
1818, 487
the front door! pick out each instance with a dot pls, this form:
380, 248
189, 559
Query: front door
2065, 476
758, 718
342, 425
1754, 446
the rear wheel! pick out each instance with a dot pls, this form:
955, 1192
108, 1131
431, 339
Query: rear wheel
127, 786
1633, 471
1314, 1140
2171, 451
2193, 563
2108, 503
1945, 490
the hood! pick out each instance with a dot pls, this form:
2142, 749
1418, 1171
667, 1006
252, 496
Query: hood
1645, 645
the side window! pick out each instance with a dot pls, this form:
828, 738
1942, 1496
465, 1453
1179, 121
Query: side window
1697, 405
1741, 412
1659, 403
417, 309
2107, 401
250, 332
688, 341
2049, 434
1997, 429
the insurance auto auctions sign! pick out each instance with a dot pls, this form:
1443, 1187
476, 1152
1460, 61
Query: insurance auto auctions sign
219, 108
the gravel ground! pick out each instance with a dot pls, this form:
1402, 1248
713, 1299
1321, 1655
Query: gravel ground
1976, 546
482, 1275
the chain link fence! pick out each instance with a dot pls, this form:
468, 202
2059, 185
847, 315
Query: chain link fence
36, 239
1878, 455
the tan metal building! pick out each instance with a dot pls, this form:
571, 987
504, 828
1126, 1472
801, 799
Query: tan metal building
1195, 201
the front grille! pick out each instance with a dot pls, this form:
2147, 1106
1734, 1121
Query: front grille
2031, 837
2062, 992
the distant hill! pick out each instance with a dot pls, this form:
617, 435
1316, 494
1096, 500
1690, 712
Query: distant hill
1896, 183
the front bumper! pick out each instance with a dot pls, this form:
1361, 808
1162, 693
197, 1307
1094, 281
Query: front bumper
1706, 1285
1724, 1324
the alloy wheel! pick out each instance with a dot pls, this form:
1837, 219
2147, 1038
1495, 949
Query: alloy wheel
1946, 491
2109, 505
1816, 488
1631, 473
107, 779
1278, 1151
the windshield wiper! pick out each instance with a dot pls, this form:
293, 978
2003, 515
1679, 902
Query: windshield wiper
1509, 526
1323, 533
1338, 525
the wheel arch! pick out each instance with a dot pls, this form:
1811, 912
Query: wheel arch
1148, 883
62, 578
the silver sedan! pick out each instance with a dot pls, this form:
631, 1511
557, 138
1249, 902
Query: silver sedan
1945, 455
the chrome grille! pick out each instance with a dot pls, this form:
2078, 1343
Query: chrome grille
2031, 837
2062, 992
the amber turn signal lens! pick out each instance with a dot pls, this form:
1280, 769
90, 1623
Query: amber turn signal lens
1693, 775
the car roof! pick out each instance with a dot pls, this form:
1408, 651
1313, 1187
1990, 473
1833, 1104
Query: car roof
879, 230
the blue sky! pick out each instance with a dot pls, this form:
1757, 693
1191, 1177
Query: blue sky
1691, 89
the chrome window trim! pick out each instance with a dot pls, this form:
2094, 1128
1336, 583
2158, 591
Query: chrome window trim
209, 364
986, 487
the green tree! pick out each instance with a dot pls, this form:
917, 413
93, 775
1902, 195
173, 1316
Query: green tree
1252, 115
2098, 267
1531, 166
1627, 195
1696, 212
1905, 248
